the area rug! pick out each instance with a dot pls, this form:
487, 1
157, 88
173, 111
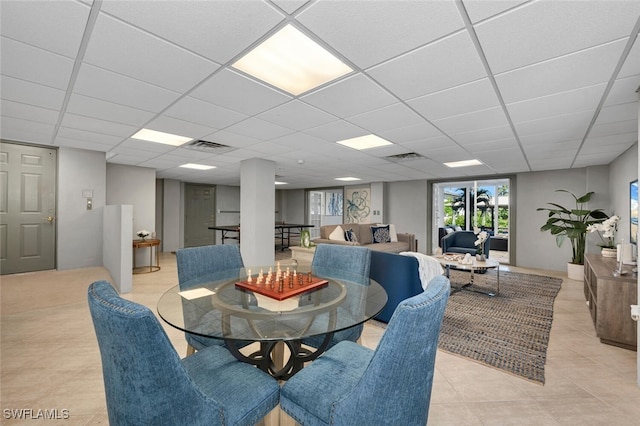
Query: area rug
509, 331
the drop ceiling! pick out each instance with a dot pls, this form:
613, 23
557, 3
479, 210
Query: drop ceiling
519, 85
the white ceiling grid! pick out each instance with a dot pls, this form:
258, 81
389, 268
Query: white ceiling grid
519, 85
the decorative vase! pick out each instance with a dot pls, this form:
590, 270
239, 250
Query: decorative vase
305, 238
481, 257
609, 252
575, 271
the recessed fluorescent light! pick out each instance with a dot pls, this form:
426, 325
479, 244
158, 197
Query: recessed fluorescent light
292, 61
364, 142
197, 166
348, 179
281, 183
161, 137
464, 163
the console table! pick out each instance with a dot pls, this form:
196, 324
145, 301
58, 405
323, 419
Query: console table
151, 244
609, 299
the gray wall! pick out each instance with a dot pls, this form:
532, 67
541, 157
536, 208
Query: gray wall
622, 171
135, 186
535, 249
79, 242
406, 207
171, 215
292, 204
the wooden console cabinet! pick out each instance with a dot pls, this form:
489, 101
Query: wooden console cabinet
609, 299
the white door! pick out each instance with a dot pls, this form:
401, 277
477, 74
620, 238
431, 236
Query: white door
27, 208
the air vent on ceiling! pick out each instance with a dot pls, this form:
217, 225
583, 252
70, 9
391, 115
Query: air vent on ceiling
405, 157
206, 146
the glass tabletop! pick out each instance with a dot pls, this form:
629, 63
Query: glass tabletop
217, 306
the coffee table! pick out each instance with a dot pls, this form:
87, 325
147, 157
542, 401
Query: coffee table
454, 260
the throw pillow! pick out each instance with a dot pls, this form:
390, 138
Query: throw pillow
351, 236
392, 231
380, 234
337, 234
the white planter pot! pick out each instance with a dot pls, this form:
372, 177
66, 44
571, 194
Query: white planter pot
609, 252
575, 272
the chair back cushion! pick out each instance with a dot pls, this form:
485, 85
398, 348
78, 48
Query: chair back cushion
199, 264
397, 383
144, 379
342, 262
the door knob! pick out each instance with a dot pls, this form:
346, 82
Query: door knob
49, 219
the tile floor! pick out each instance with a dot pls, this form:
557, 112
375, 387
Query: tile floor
49, 360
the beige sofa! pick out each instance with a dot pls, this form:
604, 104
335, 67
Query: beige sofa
406, 242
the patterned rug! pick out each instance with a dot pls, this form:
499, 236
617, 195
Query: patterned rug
509, 331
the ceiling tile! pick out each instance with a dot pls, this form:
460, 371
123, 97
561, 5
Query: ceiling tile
25, 92
55, 26
29, 63
96, 108
483, 135
297, 115
197, 111
420, 131
18, 110
560, 75
224, 89
218, 30
543, 30
109, 86
583, 99
463, 99
632, 64
146, 57
351, 96
387, 118
446, 63
624, 90
479, 10
572, 125
98, 126
66, 133
259, 129
371, 32
488, 118
336, 131
614, 128
615, 113
179, 127
290, 6
26, 131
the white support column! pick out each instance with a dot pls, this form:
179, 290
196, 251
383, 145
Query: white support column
257, 211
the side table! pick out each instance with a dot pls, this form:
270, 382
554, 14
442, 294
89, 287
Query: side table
151, 244
303, 255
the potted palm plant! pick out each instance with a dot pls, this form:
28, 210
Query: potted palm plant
572, 224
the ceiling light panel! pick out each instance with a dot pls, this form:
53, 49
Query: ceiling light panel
292, 62
364, 142
348, 179
197, 166
161, 137
464, 163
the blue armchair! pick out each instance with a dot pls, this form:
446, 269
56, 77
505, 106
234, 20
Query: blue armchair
197, 265
398, 275
463, 242
353, 385
347, 263
147, 383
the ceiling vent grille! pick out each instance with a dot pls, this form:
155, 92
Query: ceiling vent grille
206, 146
405, 157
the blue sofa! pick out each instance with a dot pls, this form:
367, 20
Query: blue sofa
398, 275
463, 242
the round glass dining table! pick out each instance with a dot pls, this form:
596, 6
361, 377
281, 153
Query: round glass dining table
281, 313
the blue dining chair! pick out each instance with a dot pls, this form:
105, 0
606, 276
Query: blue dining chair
146, 383
343, 263
353, 385
198, 265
